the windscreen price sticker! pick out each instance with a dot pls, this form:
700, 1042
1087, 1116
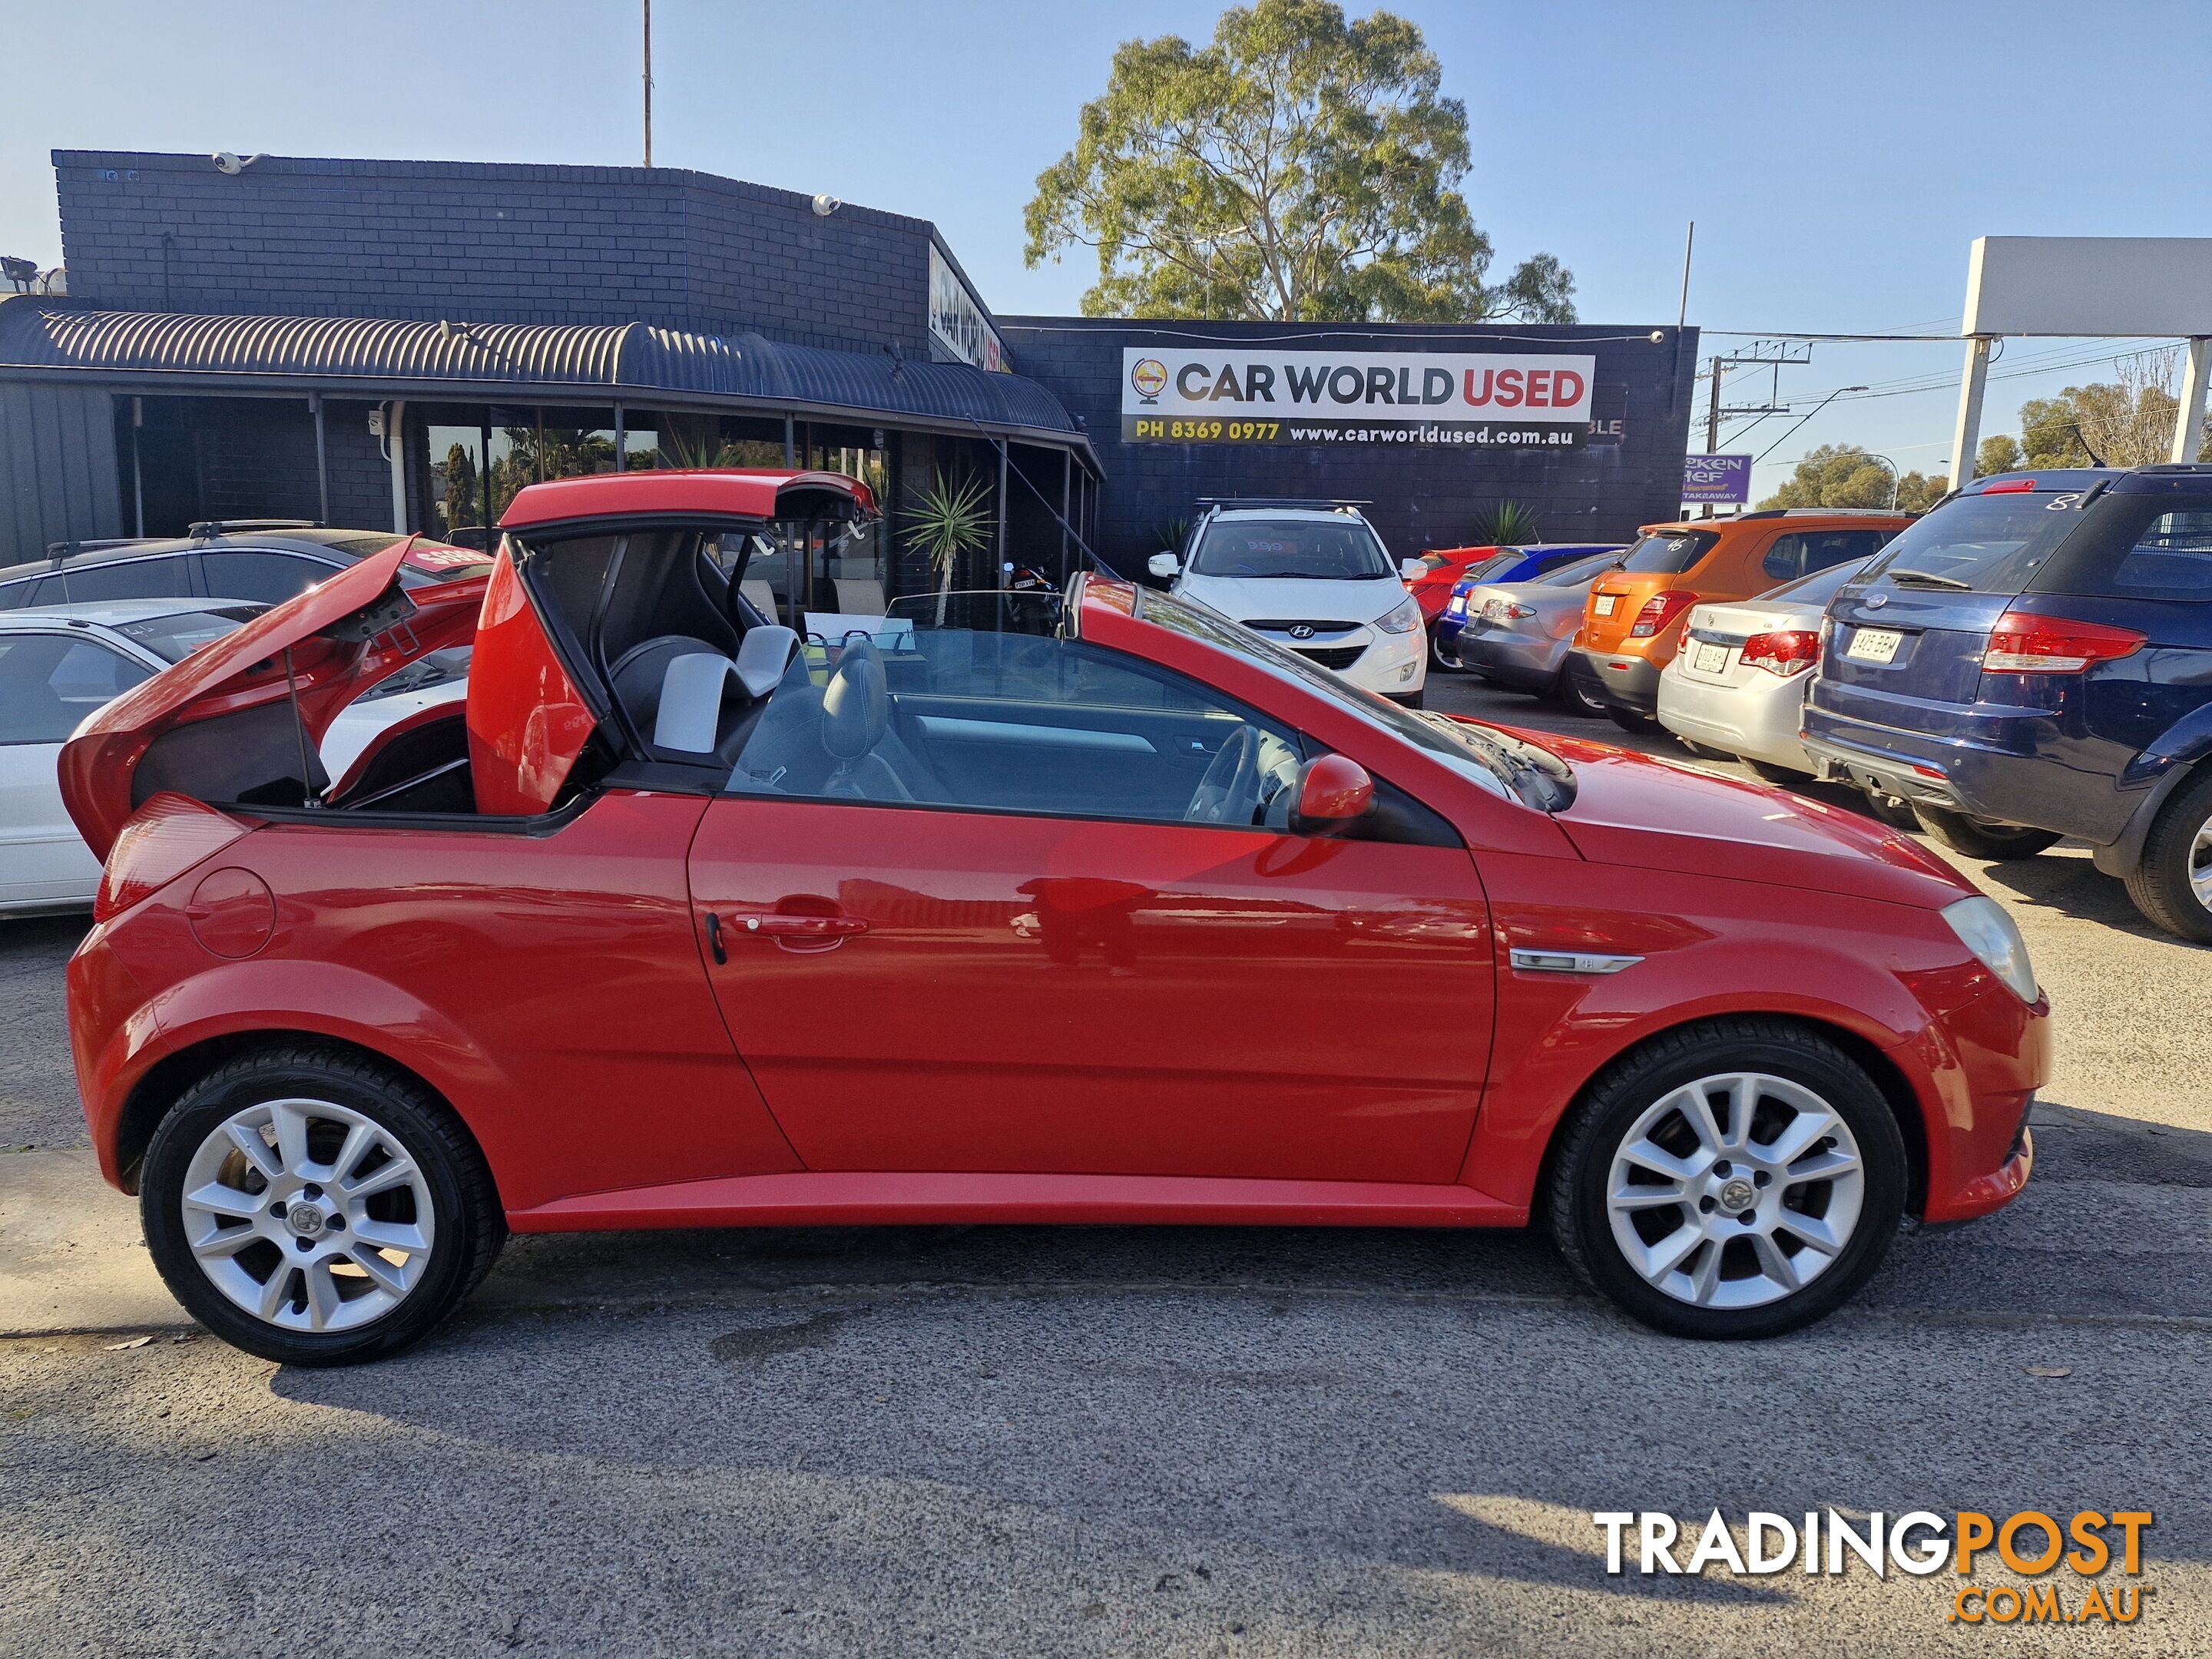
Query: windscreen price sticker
2082, 1568
1521, 400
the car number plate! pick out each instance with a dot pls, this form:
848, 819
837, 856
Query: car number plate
1710, 658
1605, 603
1874, 644
1457, 607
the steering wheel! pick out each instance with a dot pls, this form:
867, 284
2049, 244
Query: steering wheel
1230, 791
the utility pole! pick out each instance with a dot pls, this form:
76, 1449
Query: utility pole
1713, 415
1689, 242
648, 83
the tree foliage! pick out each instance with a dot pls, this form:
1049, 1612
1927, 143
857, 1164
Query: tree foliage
2127, 421
1845, 474
1299, 167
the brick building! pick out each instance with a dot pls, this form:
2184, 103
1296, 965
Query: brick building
403, 343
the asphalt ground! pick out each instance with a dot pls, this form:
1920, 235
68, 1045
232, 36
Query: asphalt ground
1121, 1440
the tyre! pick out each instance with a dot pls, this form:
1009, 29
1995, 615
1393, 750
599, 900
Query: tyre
1630, 720
2172, 885
1783, 777
1982, 838
1574, 694
1410, 699
1738, 1178
314, 1208
1439, 663
1894, 810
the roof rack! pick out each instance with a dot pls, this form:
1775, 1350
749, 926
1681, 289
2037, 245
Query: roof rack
56, 551
1822, 513
226, 526
1316, 502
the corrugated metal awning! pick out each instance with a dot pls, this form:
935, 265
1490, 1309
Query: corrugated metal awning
381, 357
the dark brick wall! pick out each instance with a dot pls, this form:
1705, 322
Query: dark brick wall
1423, 497
294, 236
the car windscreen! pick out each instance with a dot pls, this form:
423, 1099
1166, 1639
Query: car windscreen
1821, 585
1582, 570
173, 638
1313, 549
1670, 552
1503, 764
1985, 543
1483, 569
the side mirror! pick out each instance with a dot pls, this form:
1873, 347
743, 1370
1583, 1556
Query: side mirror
1333, 790
1164, 565
1412, 569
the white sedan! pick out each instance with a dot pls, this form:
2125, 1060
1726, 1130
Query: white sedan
1738, 682
60, 663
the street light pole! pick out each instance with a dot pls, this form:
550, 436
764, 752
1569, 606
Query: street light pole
648, 83
1894, 482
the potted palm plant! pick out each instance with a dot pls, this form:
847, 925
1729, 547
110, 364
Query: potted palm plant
945, 520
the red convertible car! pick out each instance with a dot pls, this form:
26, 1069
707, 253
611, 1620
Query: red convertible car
1080, 907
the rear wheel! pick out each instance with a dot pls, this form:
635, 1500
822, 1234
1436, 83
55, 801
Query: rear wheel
1575, 693
1740, 1178
316, 1209
1439, 663
1982, 838
2172, 883
1894, 810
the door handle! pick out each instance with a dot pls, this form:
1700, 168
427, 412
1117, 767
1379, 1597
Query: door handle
771, 924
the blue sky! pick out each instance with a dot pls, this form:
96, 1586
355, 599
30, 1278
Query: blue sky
1837, 159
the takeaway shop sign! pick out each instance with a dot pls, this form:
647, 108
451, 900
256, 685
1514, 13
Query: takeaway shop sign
1481, 401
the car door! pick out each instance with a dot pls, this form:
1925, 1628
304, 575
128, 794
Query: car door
995, 941
49, 679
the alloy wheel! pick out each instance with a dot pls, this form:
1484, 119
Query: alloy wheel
308, 1215
1736, 1190
2200, 864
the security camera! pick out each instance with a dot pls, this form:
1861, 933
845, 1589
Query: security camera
825, 204
233, 165
1658, 336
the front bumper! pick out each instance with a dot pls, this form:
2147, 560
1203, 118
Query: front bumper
1396, 665
1625, 681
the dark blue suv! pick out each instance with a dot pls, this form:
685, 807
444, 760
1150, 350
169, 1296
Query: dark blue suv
2032, 659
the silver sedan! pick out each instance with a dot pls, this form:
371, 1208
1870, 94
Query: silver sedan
1738, 682
1517, 633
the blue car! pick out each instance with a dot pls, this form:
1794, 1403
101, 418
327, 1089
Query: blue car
1508, 564
2033, 659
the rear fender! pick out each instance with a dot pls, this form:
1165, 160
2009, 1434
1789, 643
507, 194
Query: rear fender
224, 1002
2164, 767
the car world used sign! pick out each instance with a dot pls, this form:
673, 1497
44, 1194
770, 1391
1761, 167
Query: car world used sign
1523, 400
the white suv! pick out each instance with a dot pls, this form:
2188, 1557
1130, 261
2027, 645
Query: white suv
1313, 576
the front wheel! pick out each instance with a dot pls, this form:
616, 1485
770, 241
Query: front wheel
1439, 663
1740, 1178
2172, 885
1982, 838
1409, 699
316, 1209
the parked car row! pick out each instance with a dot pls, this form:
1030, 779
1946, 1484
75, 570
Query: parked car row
86, 626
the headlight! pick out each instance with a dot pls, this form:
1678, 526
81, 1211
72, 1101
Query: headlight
1984, 929
1403, 619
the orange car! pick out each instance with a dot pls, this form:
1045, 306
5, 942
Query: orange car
1633, 620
